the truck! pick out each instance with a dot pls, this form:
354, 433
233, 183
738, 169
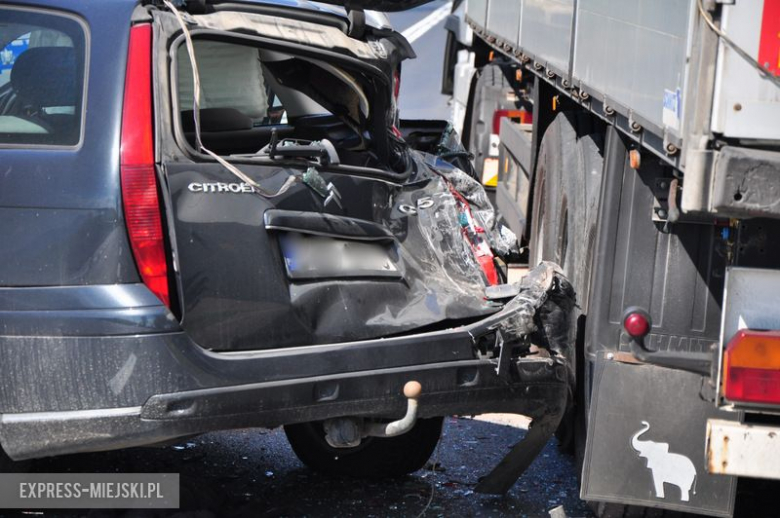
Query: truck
636, 143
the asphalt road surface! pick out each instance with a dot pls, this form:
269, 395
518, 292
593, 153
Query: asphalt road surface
254, 473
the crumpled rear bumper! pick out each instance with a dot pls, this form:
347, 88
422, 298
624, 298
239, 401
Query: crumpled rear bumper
464, 371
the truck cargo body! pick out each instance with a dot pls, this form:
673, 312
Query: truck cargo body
637, 143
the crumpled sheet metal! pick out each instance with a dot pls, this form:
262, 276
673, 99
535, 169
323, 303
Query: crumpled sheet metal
382, 52
307, 33
231, 304
542, 309
241, 307
501, 239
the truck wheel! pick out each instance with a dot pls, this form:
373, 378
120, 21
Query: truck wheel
374, 458
491, 92
563, 230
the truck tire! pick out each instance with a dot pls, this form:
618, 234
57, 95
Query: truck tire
375, 458
563, 230
491, 91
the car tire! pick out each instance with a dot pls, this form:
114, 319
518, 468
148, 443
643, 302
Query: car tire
374, 458
563, 230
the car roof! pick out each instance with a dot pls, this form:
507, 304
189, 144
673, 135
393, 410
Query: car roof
300, 4
78, 4
331, 8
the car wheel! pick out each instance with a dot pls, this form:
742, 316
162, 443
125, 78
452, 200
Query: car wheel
375, 457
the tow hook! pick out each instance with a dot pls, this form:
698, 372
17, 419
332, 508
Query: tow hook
412, 391
347, 432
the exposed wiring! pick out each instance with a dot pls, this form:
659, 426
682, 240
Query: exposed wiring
736, 48
196, 115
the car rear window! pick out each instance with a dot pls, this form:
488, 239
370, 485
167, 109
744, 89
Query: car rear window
240, 99
42, 68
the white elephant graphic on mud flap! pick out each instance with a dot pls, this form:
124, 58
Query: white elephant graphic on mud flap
670, 468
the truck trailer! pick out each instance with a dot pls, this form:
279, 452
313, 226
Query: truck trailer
636, 143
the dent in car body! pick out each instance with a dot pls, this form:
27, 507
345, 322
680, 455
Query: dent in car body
237, 294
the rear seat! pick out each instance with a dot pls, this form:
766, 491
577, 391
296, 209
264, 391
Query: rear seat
227, 130
44, 77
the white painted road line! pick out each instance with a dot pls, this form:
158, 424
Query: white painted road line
427, 23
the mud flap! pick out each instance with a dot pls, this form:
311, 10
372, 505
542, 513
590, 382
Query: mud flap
646, 440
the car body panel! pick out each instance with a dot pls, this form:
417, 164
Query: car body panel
237, 294
374, 5
60, 212
236, 287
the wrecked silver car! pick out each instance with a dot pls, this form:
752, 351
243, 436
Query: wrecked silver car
316, 262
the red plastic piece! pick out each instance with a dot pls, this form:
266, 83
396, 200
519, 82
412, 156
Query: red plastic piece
636, 325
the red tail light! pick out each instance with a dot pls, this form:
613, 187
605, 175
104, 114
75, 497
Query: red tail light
751, 367
139, 180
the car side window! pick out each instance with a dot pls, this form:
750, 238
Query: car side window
41, 78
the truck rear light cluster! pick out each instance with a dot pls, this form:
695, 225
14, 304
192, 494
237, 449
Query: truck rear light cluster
138, 177
751, 367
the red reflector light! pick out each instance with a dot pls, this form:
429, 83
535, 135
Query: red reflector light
139, 179
636, 324
520, 116
751, 367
